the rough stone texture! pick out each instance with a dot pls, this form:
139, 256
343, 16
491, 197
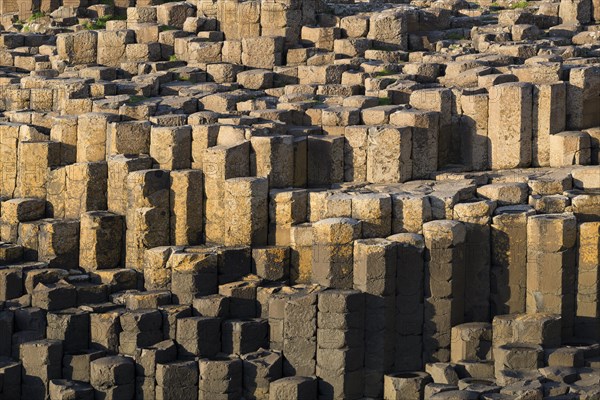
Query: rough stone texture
315, 199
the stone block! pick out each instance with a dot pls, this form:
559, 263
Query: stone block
554, 259
243, 336
569, 148
549, 118
198, 337
130, 137
101, 240
221, 163
41, 362
476, 216
104, 330
444, 285
148, 358
517, 356
325, 160
242, 295
574, 11
271, 263
425, 132
92, 136
119, 168
171, 147
211, 306
59, 243
510, 129
174, 14
76, 365
18, 210
113, 376
64, 389
293, 387
193, 274
246, 201
405, 385
11, 283
332, 254
581, 103
78, 47
389, 154
508, 261
220, 376
375, 266
260, 368
471, 342
389, 30
262, 52
112, 46
586, 315
71, 326
374, 210
147, 216
34, 161
505, 194
186, 206
271, 157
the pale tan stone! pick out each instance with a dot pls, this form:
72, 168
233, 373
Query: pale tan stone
510, 126
389, 154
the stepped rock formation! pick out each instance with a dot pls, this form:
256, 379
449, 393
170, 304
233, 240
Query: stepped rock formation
299, 200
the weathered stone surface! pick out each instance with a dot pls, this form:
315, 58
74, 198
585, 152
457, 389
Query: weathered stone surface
299, 199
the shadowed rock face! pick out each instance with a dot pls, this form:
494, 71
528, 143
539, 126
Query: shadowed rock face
299, 200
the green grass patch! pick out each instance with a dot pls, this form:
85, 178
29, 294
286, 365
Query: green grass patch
385, 101
173, 58
100, 23
36, 15
136, 99
455, 36
520, 4
385, 72
164, 28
